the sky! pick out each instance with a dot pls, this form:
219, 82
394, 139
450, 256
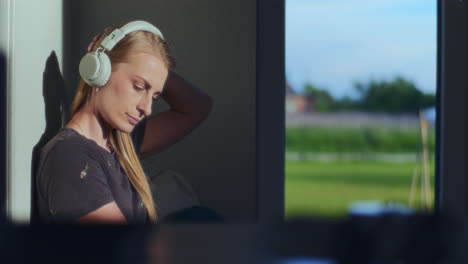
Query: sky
333, 43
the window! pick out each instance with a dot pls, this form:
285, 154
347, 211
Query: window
360, 106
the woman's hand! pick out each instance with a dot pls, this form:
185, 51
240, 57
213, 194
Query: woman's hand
95, 40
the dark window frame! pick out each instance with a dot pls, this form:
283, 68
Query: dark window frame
451, 171
451, 185
270, 104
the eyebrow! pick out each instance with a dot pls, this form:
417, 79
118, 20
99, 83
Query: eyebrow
147, 85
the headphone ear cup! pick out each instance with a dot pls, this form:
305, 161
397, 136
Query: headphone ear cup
105, 70
95, 68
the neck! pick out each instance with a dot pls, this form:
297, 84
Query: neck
91, 126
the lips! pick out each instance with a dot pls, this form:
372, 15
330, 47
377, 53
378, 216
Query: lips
132, 120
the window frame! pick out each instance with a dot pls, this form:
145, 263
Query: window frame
451, 187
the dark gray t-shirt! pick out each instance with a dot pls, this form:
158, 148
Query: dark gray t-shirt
76, 176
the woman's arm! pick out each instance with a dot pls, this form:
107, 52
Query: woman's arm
107, 214
189, 107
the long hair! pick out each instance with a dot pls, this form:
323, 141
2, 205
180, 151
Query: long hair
120, 141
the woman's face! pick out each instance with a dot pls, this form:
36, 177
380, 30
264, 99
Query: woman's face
131, 89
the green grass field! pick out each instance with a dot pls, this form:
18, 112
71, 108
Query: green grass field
346, 139
327, 188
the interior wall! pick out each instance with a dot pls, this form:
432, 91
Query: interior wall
33, 31
214, 43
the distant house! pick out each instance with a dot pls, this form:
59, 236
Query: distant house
290, 102
296, 103
304, 104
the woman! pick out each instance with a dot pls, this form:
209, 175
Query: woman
90, 171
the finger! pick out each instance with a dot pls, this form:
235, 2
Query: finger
93, 43
91, 46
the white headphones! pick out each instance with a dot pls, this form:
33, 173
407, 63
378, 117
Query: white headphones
95, 67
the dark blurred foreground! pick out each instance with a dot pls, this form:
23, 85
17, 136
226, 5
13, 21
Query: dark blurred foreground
391, 238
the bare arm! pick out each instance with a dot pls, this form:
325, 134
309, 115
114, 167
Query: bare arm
189, 107
107, 214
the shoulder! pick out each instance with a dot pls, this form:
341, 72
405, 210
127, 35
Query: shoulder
72, 178
67, 148
68, 159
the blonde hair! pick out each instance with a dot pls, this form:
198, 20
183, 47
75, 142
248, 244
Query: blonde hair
120, 141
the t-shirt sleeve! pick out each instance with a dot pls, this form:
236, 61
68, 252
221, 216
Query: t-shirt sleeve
138, 133
77, 183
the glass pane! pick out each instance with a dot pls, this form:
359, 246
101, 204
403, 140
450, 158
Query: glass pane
360, 106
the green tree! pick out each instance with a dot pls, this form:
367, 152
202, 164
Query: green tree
347, 103
322, 99
396, 96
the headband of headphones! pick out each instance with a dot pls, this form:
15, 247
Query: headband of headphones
115, 36
95, 67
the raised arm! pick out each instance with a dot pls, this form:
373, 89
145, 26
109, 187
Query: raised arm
189, 106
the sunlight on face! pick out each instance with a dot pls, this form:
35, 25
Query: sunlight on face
131, 89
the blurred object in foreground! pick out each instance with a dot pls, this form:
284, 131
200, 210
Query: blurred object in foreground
376, 208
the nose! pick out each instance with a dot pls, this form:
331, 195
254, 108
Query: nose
144, 107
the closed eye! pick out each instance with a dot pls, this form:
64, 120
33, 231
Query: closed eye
138, 88
155, 97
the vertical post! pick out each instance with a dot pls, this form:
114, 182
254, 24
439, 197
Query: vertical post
452, 116
4, 47
425, 188
270, 110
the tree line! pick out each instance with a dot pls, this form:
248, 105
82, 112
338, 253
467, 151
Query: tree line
391, 96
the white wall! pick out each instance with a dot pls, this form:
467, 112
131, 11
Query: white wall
34, 29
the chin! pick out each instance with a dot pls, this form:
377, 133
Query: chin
123, 125
125, 128
129, 129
